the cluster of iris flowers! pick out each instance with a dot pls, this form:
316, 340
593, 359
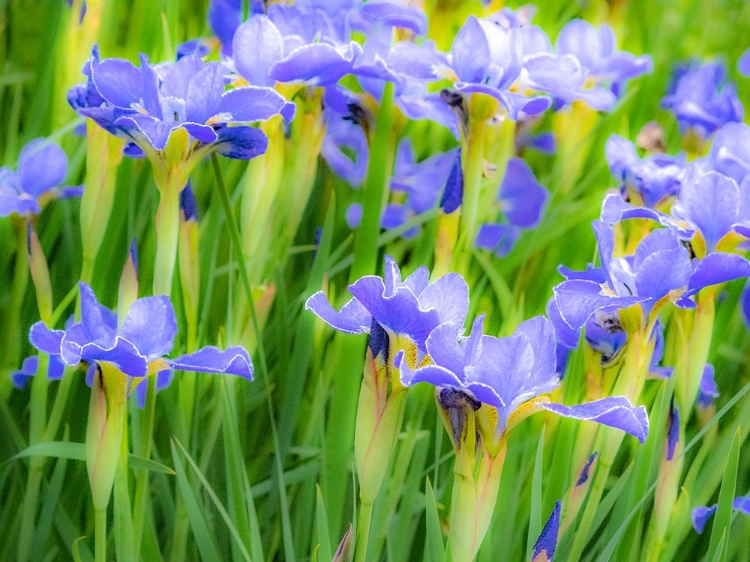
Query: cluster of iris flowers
323, 96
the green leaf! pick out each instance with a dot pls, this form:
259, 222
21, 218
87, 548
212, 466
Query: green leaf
723, 517
77, 452
434, 549
203, 536
217, 502
535, 511
323, 534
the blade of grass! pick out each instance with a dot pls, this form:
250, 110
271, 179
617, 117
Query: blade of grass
723, 518
203, 536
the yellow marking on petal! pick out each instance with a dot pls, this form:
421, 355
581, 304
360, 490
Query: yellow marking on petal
156, 366
426, 360
525, 410
730, 241
448, 73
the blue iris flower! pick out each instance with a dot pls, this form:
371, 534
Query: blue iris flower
42, 167
410, 308
654, 178
545, 545
701, 514
660, 268
507, 372
595, 50
522, 199
146, 105
137, 345
702, 99
730, 151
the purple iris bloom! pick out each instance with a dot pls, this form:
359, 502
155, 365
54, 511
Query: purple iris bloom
730, 151
345, 148
487, 58
654, 178
396, 13
708, 391
42, 167
522, 199
715, 204
702, 99
595, 50
661, 267
28, 369
145, 105
507, 372
743, 65
701, 514
545, 545
138, 345
412, 307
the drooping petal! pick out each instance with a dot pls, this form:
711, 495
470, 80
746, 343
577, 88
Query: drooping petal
717, 268
118, 81
231, 361
151, 325
353, 318
255, 103
444, 350
521, 196
613, 411
240, 142
44, 339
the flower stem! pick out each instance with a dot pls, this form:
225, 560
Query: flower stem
363, 531
100, 525
167, 234
141, 483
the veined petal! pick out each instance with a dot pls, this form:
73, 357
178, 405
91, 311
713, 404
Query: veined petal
319, 64
449, 295
717, 268
123, 354
151, 326
241, 142
257, 44
353, 318
46, 340
578, 299
433, 374
98, 322
255, 103
444, 350
613, 411
231, 361
118, 81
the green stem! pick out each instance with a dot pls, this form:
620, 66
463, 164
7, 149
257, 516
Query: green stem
142, 482
363, 531
123, 516
374, 189
167, 234
100, 525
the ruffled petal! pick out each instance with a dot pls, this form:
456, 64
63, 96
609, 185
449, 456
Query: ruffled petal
613, 411
353, 318
231, 361
151, 326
